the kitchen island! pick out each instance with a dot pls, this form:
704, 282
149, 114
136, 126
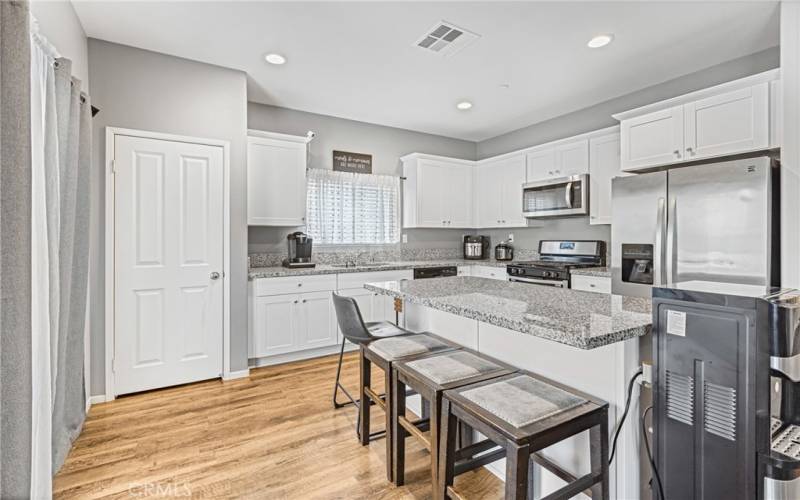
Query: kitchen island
586, 340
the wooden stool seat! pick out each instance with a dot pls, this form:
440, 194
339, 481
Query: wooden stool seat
430, 377
523, 413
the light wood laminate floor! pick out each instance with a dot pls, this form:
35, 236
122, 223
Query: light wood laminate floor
273, 435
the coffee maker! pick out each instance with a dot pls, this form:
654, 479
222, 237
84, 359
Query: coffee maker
726, 381
476, 247
299, 247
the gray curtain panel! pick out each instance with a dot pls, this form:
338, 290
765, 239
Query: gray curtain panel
70, 404
15, 251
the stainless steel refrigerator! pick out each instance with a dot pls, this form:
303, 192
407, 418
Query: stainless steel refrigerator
710, 222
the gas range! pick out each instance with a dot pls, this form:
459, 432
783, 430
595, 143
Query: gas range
557, 258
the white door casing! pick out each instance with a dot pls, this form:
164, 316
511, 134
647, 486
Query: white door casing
169, 252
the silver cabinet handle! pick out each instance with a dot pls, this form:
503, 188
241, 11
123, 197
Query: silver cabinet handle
303, 301
214, 275
677, 153
295, 302
299, 284
690, 151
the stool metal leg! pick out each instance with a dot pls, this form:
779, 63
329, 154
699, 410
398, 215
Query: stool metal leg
517, 471
338, 385
598, 447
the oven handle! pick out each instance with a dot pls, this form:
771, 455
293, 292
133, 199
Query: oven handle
568, 194
558, 284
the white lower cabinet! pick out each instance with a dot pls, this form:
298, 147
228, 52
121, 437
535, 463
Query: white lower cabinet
491, 272
597, 284
373, 306
294, 322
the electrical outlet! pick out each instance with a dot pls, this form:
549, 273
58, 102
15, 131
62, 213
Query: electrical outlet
405, 238
511, 237
647, 373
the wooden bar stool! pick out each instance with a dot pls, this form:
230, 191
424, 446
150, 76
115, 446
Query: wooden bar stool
524, 413
383, 353
430, 377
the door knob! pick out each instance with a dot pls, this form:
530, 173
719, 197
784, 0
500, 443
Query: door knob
215, 275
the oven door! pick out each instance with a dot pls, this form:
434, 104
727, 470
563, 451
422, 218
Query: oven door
556, 197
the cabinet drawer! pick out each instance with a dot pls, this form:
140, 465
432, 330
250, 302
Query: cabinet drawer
357, 280
496, 273
591, 284
295, 284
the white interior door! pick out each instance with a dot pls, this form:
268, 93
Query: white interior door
168, 257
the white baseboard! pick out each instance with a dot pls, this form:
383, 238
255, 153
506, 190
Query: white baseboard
300, 355
237, 374
93, 400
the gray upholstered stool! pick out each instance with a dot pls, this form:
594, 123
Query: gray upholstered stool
383, 353
524, 413
430, 377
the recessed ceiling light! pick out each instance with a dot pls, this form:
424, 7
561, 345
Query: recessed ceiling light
464, 105
275, 59
600, 41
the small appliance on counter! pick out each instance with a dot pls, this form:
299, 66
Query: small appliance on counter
299, 246
556, 258
476, 247
504, 251
726, 411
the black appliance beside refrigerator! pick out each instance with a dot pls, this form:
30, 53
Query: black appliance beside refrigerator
726, 391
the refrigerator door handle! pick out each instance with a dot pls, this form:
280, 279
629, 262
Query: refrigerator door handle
671, 221
658, 251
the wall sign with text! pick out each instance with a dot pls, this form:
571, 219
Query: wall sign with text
358, 163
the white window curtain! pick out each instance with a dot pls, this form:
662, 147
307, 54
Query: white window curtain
344, 208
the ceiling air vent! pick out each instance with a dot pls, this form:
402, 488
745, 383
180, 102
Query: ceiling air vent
446, 39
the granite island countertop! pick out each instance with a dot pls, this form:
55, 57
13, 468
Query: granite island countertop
585, 320
280, 271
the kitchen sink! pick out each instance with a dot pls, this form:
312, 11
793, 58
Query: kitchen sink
363, 264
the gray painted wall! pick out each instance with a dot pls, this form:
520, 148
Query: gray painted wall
145, 90
385, 144
599, 115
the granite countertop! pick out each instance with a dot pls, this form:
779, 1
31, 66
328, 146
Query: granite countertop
585, 320
280, 271
599, 272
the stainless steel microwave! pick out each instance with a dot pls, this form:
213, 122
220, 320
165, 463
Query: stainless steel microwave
556, 197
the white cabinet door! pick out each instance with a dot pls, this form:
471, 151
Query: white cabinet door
652, 139
541, 164
513, 177
364, 299
465, 270
604, 165
489, 195
276, 182
733, 122
316, 321
274, 325
431, 180
571, 159
456, 193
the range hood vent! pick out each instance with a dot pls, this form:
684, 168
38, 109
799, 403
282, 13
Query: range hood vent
445, 39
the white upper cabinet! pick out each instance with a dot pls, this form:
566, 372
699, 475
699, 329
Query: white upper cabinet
276, 179
604, 165
437, 192
561, 159
732, 118
499, 192
728, 123
652, 139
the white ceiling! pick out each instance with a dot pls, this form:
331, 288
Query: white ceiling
357, 60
